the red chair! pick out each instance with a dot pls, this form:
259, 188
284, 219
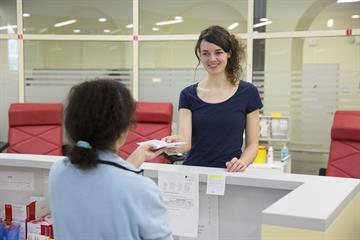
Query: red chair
35, 128
344, 157
152, 121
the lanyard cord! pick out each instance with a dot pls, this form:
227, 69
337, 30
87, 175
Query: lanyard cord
122, 167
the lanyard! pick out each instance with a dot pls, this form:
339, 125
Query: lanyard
122, 167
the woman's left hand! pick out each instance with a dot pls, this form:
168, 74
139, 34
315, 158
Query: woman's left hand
236, 165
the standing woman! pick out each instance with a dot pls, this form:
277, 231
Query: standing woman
214, 113
94, 194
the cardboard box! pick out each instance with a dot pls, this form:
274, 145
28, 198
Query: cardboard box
27, 210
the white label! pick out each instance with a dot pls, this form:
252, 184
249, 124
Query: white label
18, 181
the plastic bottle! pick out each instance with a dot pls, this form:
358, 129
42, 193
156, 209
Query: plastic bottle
270, 155
284, 153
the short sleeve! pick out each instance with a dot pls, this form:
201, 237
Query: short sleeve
184, 99
254, 99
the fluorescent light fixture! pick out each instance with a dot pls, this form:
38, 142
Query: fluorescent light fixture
76, 30
8, 27
155, 29
169, 22
233, 25
262, 24
116, 30
61, 24
263, 19
178, 18
330, 23
129, 26
355, 16
107, 31
102, 19
43, 30
26, 15
156, 80
347, 1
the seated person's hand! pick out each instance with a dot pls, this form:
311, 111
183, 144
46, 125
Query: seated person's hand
236, 165
170, 139
142, 153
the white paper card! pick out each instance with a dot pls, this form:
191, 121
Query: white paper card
215, 184
181, 197
162, 144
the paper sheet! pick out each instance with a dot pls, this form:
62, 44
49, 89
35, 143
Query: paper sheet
181, 196
162, 144
209, 217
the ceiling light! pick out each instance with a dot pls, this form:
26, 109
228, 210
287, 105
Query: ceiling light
116, 30
347, 1
155, 29
102, 19
61, 24
43, 30
129, 26
178, 18
233, 25
355, 16
169, 22
263, 19
330, 23
107, 31
26, 15
262, 24
76, 30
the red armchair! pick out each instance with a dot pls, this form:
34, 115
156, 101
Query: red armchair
344, 156
152, 121
35, 128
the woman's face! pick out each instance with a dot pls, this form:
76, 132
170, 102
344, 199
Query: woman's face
213, 58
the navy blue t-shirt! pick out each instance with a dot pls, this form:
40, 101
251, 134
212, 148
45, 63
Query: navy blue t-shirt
217, 128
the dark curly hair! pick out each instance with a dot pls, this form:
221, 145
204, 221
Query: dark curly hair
230, 44
97, 112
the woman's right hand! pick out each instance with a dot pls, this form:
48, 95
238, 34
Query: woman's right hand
142, 153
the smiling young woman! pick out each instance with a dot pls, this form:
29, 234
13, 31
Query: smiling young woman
215, 112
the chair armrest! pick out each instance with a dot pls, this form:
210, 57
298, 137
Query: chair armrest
174, 157
3, 146
322, 172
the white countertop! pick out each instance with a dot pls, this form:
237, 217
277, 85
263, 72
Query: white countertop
313, 203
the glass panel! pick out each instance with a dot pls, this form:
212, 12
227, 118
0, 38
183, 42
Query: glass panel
308, 79
53, 67
190, 17
8, 82
77, 16
8, 16
281, 15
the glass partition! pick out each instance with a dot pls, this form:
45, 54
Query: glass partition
8, 16
8, 82
53, 67
280, 15
190, 17
309, 79
77, 17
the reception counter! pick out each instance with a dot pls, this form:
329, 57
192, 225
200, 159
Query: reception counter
257, 204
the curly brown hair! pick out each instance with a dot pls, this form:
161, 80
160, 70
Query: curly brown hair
97, 112
230, 44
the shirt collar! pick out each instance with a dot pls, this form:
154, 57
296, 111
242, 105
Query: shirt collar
113, 157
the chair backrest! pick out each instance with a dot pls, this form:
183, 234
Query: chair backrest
35, 128
152, 121
344, 156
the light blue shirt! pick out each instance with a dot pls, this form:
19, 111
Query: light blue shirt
105, 203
